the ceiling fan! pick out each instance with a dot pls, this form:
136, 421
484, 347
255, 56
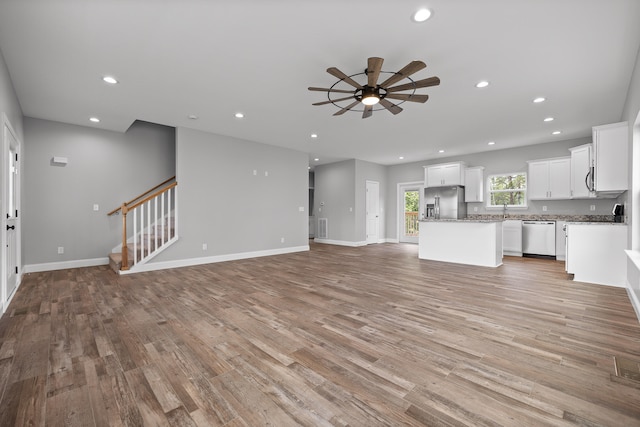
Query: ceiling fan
371, 93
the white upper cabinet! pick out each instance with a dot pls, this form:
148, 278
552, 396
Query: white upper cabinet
549, 179
474, 184
581, 179
444, 174
611, 153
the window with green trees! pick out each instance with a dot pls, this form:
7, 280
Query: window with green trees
508, 189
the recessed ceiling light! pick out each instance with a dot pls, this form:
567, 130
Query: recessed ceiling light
401, 158
539, 99
239, 115
94, 119
482, 84
316, 159
422, 15
110, 80
491, 143
193, 117
314, 135
440, 151
557, 132
548, 119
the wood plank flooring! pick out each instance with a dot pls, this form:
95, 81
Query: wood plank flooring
337, 336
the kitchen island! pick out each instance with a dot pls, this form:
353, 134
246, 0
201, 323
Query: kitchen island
474, 242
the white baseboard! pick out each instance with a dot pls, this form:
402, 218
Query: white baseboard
391, 240
339, 242
63, 265
163, 265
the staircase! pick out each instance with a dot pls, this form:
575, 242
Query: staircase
148, 227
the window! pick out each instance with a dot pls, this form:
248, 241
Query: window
508, 189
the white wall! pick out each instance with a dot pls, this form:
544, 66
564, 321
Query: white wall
223, 204
105, 168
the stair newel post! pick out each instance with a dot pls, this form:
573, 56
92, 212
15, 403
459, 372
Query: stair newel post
125, 248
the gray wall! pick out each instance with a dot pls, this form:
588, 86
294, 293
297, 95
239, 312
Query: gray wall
335, 194
494, 162
223, 204
342, 188
9, 101
105, 168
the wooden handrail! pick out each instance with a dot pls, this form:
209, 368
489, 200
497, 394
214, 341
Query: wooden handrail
150, 197
119, 208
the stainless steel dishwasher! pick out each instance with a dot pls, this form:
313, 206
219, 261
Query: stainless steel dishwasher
539, 238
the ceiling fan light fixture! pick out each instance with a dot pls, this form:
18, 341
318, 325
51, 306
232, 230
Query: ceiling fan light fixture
370, 100
370, 95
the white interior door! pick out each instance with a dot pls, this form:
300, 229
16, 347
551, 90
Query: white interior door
373, 211
10, 204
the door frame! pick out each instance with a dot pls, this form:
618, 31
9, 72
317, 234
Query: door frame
4, 199
402, 186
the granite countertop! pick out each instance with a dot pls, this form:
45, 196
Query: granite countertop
569, 219
596, 219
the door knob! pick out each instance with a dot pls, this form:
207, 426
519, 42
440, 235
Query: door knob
11, 227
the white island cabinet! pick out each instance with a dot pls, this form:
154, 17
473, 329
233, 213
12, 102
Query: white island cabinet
461, 241
596, 253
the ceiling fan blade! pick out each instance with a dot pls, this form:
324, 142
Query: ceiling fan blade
409, 69
368, 111
393, 108
431, 81
374, 65
347, 108
342, 76
408, 97
321, 89
332, 101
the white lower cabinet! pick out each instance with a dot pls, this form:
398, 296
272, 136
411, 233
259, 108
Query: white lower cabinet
596, 253
512, 237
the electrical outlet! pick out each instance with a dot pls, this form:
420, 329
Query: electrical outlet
282, 240
475, 209
300, 208
60, 249
592, 207
266, 173
96, 207
255, 172
544, 209
204, 247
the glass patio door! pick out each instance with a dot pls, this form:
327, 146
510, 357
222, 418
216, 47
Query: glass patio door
410, 212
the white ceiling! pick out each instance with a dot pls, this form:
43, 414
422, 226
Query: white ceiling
176, 58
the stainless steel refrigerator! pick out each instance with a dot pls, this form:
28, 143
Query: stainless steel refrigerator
445, 202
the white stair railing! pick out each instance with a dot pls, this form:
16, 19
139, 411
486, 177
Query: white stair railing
155, 220
154, 223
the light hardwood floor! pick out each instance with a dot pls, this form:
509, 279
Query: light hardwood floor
337, 336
